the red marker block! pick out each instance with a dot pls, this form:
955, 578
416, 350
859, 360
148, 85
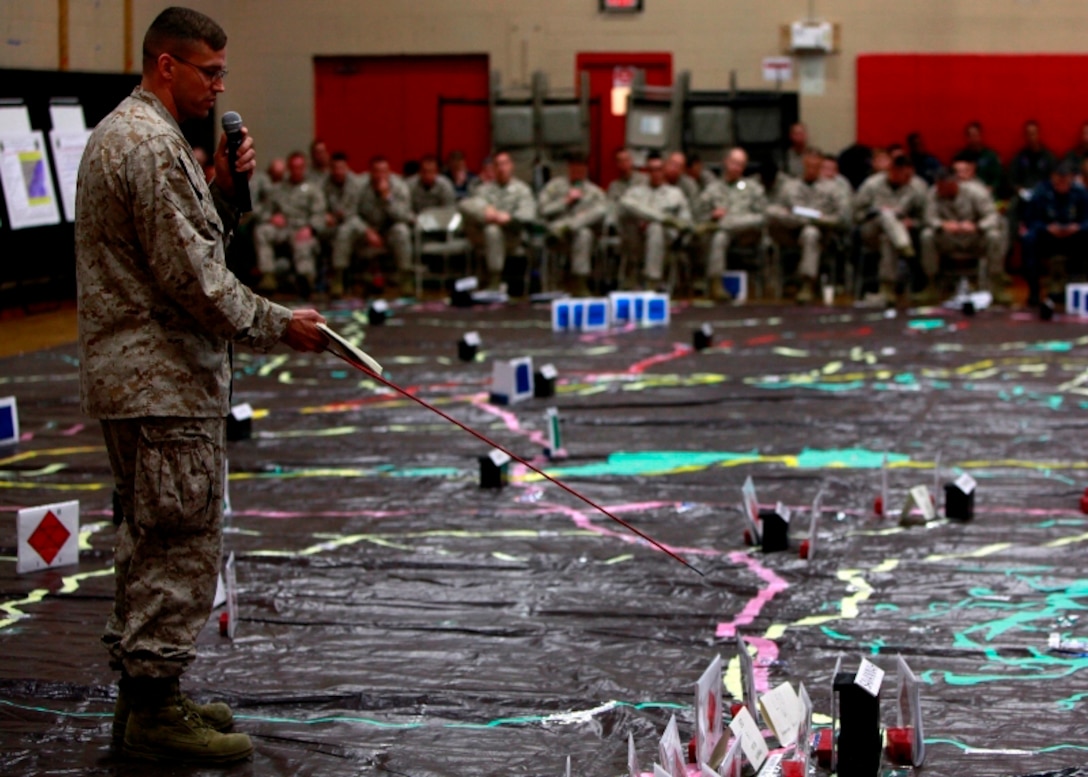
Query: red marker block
691, 751
1084, 501
825, 744
224, 622
803, 552
748, 538
793, 768
878, 506
900, 747
735, 708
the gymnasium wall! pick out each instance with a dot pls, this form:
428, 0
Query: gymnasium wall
273, 42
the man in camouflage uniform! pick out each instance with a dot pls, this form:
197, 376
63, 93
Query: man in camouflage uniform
886, 208
383, 221
320, 162
296, 214
429, 188
627, 226
158, 311
263, 184
961, 218
574, 208
496, 216
341, 189
807, 214
676, 174
662, 214
732, 212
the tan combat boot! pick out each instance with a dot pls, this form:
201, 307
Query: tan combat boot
216, 714
164, 726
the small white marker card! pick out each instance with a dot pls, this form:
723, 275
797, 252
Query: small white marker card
910, 708
813, 523
231, 581
965, 483
783, 712
804, 731
752, 745
731, 764
671, 752
633, 769
9, 421
499, 458
747, 677
869, 677
708, 711
472, 339
750, 508
48, 537
919, 495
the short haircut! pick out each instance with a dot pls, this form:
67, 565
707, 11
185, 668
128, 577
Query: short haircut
943, 174
813, 151
339, 156
456, 155
181, 27
315, 143
620, 149
1031, 123
428, 158
294, 154
378, 159
902, 161
975, 125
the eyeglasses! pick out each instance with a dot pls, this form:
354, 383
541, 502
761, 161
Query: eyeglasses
213, 74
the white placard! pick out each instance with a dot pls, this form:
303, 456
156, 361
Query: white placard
220, 592
231, 581
814, 523
48, 537
633, 769
782, 512
752, 745
910, 709
466, 284
499, 458
671, 752
869, 677
548, 372
67, 154
14, 120
472, 338
750, 508
9, 421
67, 118
747, 677
783, 712
965, 483
777, 69
708, 711
242, 412
804, 731
659, 772
27, 182
731, 764
919, 495
568, 766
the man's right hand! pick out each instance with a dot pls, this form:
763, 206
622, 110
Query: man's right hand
302, 333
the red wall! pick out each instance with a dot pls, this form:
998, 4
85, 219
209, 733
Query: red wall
389, 105
938, 94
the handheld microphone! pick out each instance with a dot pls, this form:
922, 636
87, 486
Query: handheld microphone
232, 126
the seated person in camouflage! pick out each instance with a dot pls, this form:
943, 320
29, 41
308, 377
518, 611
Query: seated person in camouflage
429, 188
627, 226
459, 175
1056, 225
886, 208
808, 212
382, 221
662, 214
296, 214
261, 186
496, 216
341, 188
320, 162
961, 218
574, 209
697, 172
676, 174
731, 211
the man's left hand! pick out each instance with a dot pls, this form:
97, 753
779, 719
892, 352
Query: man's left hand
302, 333
247, 162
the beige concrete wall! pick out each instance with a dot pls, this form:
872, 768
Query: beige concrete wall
273, 42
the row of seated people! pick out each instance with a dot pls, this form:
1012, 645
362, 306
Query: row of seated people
673, 203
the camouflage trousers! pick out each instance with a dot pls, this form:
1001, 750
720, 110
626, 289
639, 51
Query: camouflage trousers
169, 475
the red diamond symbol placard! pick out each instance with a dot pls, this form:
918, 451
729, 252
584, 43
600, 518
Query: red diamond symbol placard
49, 537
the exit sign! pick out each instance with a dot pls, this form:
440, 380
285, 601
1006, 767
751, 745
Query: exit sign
620, 6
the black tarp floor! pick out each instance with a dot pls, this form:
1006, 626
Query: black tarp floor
395, 618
